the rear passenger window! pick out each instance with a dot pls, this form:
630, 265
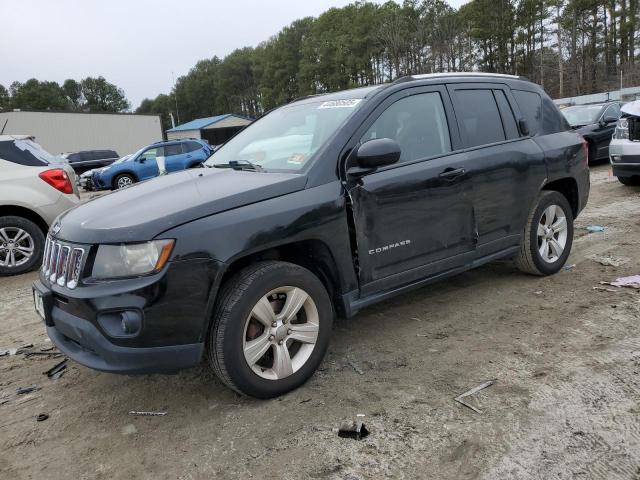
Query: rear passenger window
419, 125
174, 149
192, 147
508, 120
530, 105
479, 117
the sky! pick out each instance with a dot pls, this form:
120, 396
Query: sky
137, 44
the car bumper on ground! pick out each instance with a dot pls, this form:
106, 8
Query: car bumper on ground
624, 156
172, 320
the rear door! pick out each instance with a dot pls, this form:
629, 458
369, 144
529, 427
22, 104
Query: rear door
174, 157
508, 168
413, 219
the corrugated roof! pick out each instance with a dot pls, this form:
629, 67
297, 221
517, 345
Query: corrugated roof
199, 123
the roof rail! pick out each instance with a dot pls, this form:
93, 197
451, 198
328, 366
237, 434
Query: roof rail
409, 78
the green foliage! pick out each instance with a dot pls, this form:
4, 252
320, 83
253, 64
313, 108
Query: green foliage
88, 95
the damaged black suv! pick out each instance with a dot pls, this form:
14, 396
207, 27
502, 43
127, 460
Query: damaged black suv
322, 207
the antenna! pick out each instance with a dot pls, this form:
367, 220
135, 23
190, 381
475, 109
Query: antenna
3, 127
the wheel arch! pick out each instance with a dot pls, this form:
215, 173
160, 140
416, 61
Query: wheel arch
17, 211
314, 255
568, 187
124, 172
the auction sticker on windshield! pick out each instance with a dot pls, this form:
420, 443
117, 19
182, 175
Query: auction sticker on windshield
349, 103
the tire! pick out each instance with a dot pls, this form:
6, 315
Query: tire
15, 257
630, 181
530, 259
235, 324
123, 180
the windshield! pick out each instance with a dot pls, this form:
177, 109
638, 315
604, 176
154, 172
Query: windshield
582, 115
287, 138
122, 159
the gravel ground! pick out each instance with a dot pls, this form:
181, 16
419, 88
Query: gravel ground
565, 403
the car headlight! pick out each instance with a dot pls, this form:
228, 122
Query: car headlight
622, 129
131, 259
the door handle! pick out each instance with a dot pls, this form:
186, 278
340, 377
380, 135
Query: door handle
452, 173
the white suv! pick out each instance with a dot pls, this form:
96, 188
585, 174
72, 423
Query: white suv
34, 189
624, 149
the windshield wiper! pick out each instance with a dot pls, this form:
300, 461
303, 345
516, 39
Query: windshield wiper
240, 165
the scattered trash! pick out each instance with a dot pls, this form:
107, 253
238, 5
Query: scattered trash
609, 261
57, 370
45, 354
4, 352
422, 335
538, 292
47, 349
355, 430
605, 289
632, 282
595, 228
147, 414
305, 400
42, 417
471, 392
570, 267
355, 367
25, 390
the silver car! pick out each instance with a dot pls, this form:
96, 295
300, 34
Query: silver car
34, 189
624, 150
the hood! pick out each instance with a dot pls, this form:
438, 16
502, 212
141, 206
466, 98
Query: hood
632, 108
144, 210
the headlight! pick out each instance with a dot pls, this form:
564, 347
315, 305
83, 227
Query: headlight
622, 129
128, 260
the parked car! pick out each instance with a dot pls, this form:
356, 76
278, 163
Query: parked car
90, 159
596, 124
34, 190
85, 180
142, 165
399, 186
625, 146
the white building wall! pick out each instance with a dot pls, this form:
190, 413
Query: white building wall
72, 132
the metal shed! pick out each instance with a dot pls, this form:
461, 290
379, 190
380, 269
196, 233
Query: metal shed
61, 132
216, 130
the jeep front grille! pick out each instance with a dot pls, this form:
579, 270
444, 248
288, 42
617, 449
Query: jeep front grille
62, 263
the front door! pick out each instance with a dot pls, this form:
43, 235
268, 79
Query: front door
413, 219
147, 166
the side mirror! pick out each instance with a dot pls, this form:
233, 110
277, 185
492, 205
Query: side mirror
609, 119
378, 153
524, 126
142, 159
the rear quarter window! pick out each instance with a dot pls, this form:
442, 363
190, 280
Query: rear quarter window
530, 105
24, 152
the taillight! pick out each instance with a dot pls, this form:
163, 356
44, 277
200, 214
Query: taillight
585, 151
58, 179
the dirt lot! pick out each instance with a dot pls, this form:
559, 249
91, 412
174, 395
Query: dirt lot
566, 402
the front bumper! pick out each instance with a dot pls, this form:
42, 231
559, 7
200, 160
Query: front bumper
624, 156
174, 310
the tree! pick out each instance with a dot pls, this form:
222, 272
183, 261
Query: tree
4, 98
102, 96
73, 92
36, 95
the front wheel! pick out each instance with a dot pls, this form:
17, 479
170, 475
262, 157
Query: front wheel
548, 235
271, 329
123, 180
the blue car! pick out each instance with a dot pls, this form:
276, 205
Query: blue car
142, 165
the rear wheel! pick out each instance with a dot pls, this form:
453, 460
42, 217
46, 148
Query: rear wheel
631, 181
21, 245
548, 235
271, 329
123, 180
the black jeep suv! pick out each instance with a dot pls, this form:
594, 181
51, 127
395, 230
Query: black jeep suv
324, 206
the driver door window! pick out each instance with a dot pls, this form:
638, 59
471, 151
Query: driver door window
419, 125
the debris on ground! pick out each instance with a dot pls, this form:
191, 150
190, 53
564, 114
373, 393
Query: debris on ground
596, 228
603, 289
471, 392
42, 417
609, 261
147, 414
25, 390
43, 354
355, 430
355, 366
129, 429
57, 370
570, 267
538, 292
632, 282
47, 349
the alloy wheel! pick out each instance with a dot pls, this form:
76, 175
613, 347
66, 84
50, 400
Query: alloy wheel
124, 182
552, 233
281, 333
16, 247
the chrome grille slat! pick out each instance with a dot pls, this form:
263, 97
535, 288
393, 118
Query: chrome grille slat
62, 263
